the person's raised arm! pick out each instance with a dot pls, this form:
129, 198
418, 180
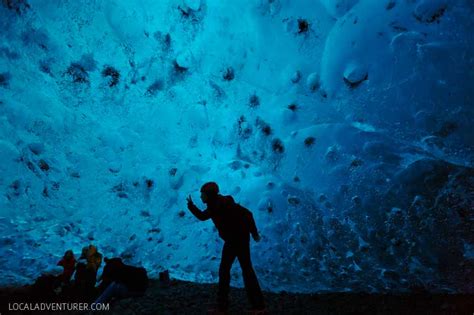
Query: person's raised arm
201, 215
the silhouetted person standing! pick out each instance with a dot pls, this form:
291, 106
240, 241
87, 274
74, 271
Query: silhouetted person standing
235, 224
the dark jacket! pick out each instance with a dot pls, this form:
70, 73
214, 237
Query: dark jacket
234, 222
69, 265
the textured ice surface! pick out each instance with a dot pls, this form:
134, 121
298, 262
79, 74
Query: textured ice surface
345, 126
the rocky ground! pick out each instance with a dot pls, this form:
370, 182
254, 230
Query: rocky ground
180, 297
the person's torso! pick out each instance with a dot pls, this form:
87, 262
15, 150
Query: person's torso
229, 221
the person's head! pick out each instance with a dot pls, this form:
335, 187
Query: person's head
69, 254
84, 252
209, 192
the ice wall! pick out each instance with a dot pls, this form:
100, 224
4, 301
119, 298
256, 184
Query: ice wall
345, 126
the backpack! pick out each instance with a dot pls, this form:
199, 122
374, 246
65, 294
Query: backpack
134, 278
245, 216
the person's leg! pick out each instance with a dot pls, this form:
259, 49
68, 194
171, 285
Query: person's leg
228, 257
254, 293
114, 289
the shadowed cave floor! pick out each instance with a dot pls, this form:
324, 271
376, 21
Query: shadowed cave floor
181, 297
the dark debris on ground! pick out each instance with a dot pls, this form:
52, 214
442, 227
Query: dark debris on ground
181, 297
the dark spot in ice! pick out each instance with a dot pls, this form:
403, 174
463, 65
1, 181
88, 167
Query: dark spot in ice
264, 127
43, 165
78, 73
309, 141
4, 79
149, 183
322, 198
35, 37
45, 67
270, 209
113, 74
293, 107
296, 77
293, 200
120, 190
244, 131
228, 74
433, 18
145, 213
296, 179
235, 165
154, 87
184, 13
390, 5
45, 192
173, 171
31, 166
15, 185
7, 240
277, 146
218, 91
356, 200
398, 28
12, 55
164, 39
19, 6
303, 26
179, 69
356, 163
154, 230
167, 41
181, 214
446, 129
254, 100
15, 189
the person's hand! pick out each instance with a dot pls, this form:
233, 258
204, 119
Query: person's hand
256, 237
190, 201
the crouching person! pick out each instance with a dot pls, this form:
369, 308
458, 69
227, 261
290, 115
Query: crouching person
119, 280
85, 277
